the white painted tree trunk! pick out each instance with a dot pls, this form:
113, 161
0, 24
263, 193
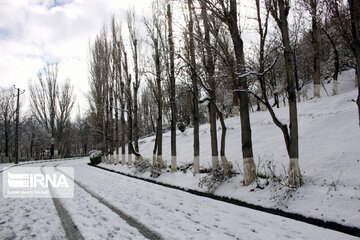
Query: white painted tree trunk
235, 110
129, 159
160, 161
123, 159
196, 164
102, 159
316, 90
106, 159
294, 172
249, 173
263, 107
298, 94
173, 164
335, 88
215, 162
225, 164
111, 158
154, 160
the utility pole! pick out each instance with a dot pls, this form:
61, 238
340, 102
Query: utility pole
17, 124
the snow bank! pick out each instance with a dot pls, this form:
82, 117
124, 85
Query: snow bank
329, 157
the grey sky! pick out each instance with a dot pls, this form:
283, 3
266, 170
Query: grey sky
34, 32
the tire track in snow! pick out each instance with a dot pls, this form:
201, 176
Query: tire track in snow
143, 229
70, 228
354, 231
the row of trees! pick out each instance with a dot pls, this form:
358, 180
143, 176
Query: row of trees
186, 64
203, 60
46, 129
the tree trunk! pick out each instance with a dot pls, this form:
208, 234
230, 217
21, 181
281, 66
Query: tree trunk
122, 119
294, 169
155, 149
117, 124
111, 119
210, 69
106, 130
194, 82
129, 121
136, 88
172, 92
336, 71
213, 135
32, 148
297, 82
247, 151
129, 110
123, 135
226, 165
336, 60
160, 162
355, 24
7, 139
316, 48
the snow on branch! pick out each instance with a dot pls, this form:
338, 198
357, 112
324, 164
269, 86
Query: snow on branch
208, 89
257, 73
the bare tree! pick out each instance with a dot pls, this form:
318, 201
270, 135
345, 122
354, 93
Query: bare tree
355, 27
131, 21
7, 118
96, 100
336, 57
210, 69
43, 97
51, 105
116, 83
65, 103
195, 114
118, 60
313, 8
34, 137
172, 90
346, 21
279, 10
226, 11
129, 108
154, 30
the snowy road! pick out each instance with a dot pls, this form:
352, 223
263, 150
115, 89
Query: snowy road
171, 213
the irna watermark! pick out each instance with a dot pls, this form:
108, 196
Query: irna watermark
38, 182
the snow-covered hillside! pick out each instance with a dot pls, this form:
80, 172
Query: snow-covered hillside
329, 137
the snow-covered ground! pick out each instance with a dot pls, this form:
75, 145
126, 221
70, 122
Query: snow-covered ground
329, 137
329, 160
30, 218
172, 214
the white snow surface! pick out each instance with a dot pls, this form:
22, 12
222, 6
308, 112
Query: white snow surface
179, 215
329, 137
29, 218
329, 161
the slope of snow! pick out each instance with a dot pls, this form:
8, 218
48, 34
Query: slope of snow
329, 137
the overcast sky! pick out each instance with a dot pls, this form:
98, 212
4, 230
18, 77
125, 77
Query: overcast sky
35, 32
